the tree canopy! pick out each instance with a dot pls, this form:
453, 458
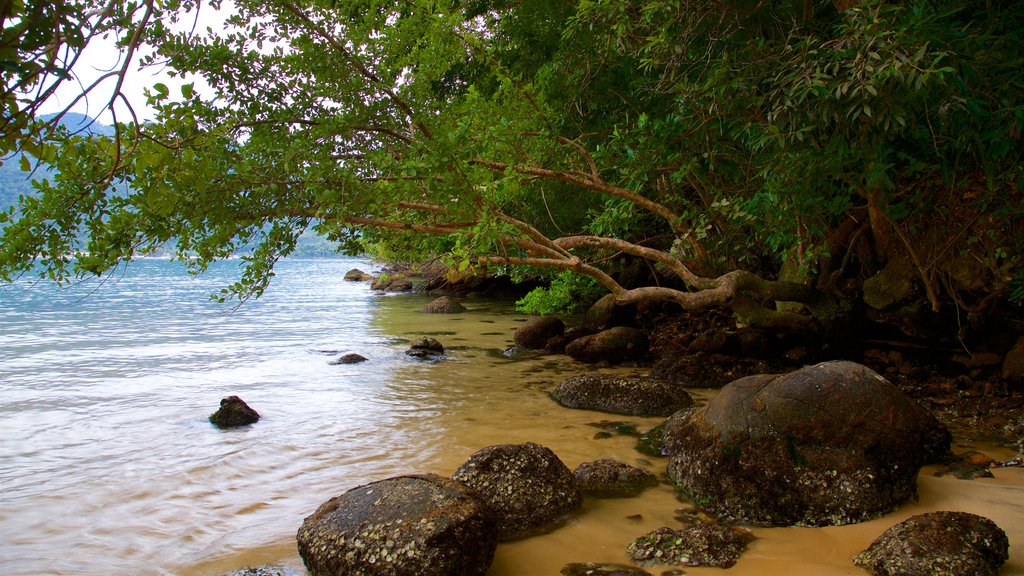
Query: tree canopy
794, 161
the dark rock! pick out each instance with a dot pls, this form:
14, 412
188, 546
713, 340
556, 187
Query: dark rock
357, 275
702, 545
833, 443
233, 412
707, 370
608, 478
607, 312
588, 569
1013, 362
619, 344
557, 344
652, 442
526, 485
391, 283
621, 395
535, 332
268, 570
422, 525
426, 348
444, 305
349, 359
938, 543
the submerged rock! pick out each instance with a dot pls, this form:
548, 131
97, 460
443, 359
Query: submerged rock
267, 570
589, 569
426, 348
608, 478
422, 525
833, 443
526, 485
701, 545
633, 396
535, 332
938, 543
444, 305
233, 412
349, 359
614, 345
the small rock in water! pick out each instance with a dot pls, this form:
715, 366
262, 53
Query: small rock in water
426, 348
702, 545
268, 570
349, 359
444, 305
591, 569
233, 412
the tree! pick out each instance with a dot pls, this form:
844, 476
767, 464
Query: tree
715, 142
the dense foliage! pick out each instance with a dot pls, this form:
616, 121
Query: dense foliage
748, 153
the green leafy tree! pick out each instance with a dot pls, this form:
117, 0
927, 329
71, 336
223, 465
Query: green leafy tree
717, 142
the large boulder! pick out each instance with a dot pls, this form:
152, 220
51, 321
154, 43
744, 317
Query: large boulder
630, 395
444, 305
233, 412
614, 345
419, 525
833, 443
535, 332
526, 485
607, 478
938, 543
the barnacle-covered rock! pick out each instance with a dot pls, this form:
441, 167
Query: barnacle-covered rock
526, 485
608, 478
634, 396
421, 525
938, 543
701, 545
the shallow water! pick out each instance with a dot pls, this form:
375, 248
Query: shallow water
108, 465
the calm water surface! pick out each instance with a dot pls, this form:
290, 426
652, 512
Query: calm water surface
109, 466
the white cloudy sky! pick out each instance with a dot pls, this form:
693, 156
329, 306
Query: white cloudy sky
101, 55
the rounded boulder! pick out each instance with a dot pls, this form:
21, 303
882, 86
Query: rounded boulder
526, 485
535, 332
419, 525
938, 543
829, 444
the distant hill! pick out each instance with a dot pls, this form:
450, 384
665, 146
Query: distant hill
14, 182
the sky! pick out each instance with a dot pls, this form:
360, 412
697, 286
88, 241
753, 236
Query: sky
102, 55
